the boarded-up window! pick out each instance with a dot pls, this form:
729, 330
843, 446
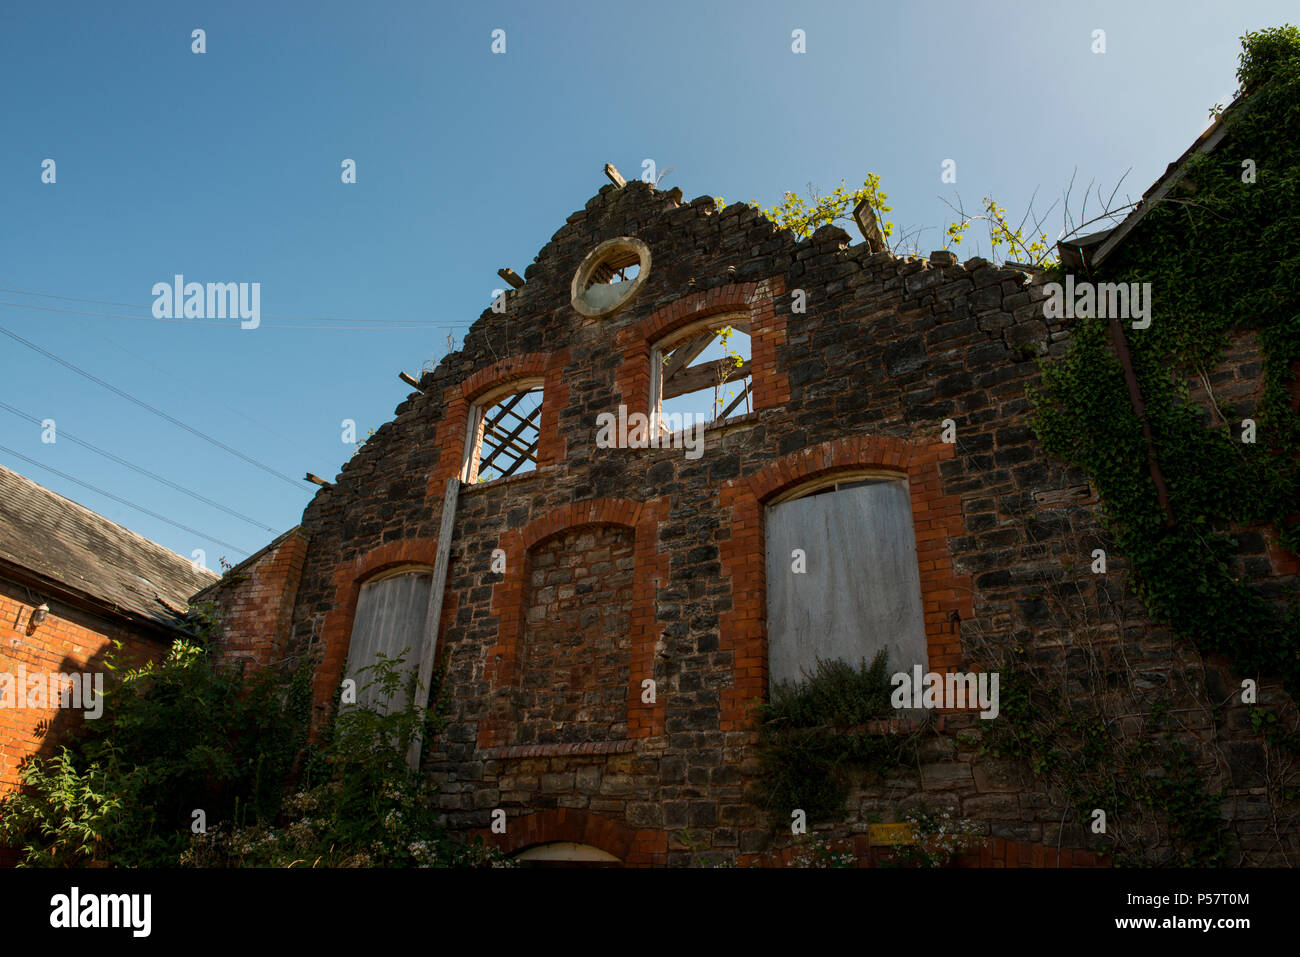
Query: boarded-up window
860, 588
390, 620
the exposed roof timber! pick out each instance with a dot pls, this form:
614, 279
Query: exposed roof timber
505, 407
1076, 253
865, 217
705, 375
684, 355
508, 442
507, 450
737, 400
530, 457
515, 457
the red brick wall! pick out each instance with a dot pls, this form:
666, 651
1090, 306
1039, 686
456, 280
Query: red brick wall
69, 640
255, 603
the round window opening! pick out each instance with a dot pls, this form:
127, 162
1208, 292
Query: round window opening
610, 276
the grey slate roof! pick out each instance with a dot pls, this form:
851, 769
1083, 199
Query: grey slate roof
57, 539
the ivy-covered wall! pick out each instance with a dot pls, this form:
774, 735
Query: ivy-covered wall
1222, 254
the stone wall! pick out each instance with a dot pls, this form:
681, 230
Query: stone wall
887, 350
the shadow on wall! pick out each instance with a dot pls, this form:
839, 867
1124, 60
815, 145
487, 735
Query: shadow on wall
49, 729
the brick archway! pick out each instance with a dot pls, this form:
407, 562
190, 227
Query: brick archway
947, 597
635, 848
336, 632
503, 658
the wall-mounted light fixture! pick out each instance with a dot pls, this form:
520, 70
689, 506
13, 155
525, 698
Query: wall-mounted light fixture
39, 614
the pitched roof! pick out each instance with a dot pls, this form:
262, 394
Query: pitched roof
60, 541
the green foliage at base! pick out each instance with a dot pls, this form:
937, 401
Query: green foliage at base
188, 734
812, 740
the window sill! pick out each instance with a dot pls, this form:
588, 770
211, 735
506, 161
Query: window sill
560, 750
467, 487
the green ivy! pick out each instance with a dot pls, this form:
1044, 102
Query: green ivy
1149, 773
1223, 257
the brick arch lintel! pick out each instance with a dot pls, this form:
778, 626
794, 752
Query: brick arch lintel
501, 372
736, 297
947, 596
814, 462
599, 511
631, 846
336, 631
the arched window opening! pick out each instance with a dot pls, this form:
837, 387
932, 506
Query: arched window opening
703, 372
392, 612
566, 854
504, 433
842, 576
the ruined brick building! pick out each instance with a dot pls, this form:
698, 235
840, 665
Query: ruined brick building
878, 426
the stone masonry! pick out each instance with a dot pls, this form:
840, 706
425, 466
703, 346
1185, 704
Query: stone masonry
629, 564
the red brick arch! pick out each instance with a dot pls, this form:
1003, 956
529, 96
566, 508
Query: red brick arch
502, 667
600, 511
525, 366
635, 848
336, 632
935, 517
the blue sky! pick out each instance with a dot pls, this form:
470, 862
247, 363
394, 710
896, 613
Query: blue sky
225, 166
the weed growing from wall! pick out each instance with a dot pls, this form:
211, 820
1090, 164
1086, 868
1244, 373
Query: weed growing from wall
814, 737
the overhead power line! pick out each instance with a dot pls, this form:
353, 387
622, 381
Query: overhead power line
116, 498
190, 386
211, 324
65, 434
156, 411
136, 305
389, 325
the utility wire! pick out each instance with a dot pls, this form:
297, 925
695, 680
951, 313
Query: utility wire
64, 434
132, 305
217, 325
158, 412
190, 386
138, 508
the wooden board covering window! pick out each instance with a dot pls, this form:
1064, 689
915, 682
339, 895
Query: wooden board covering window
390, 620
862, 588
